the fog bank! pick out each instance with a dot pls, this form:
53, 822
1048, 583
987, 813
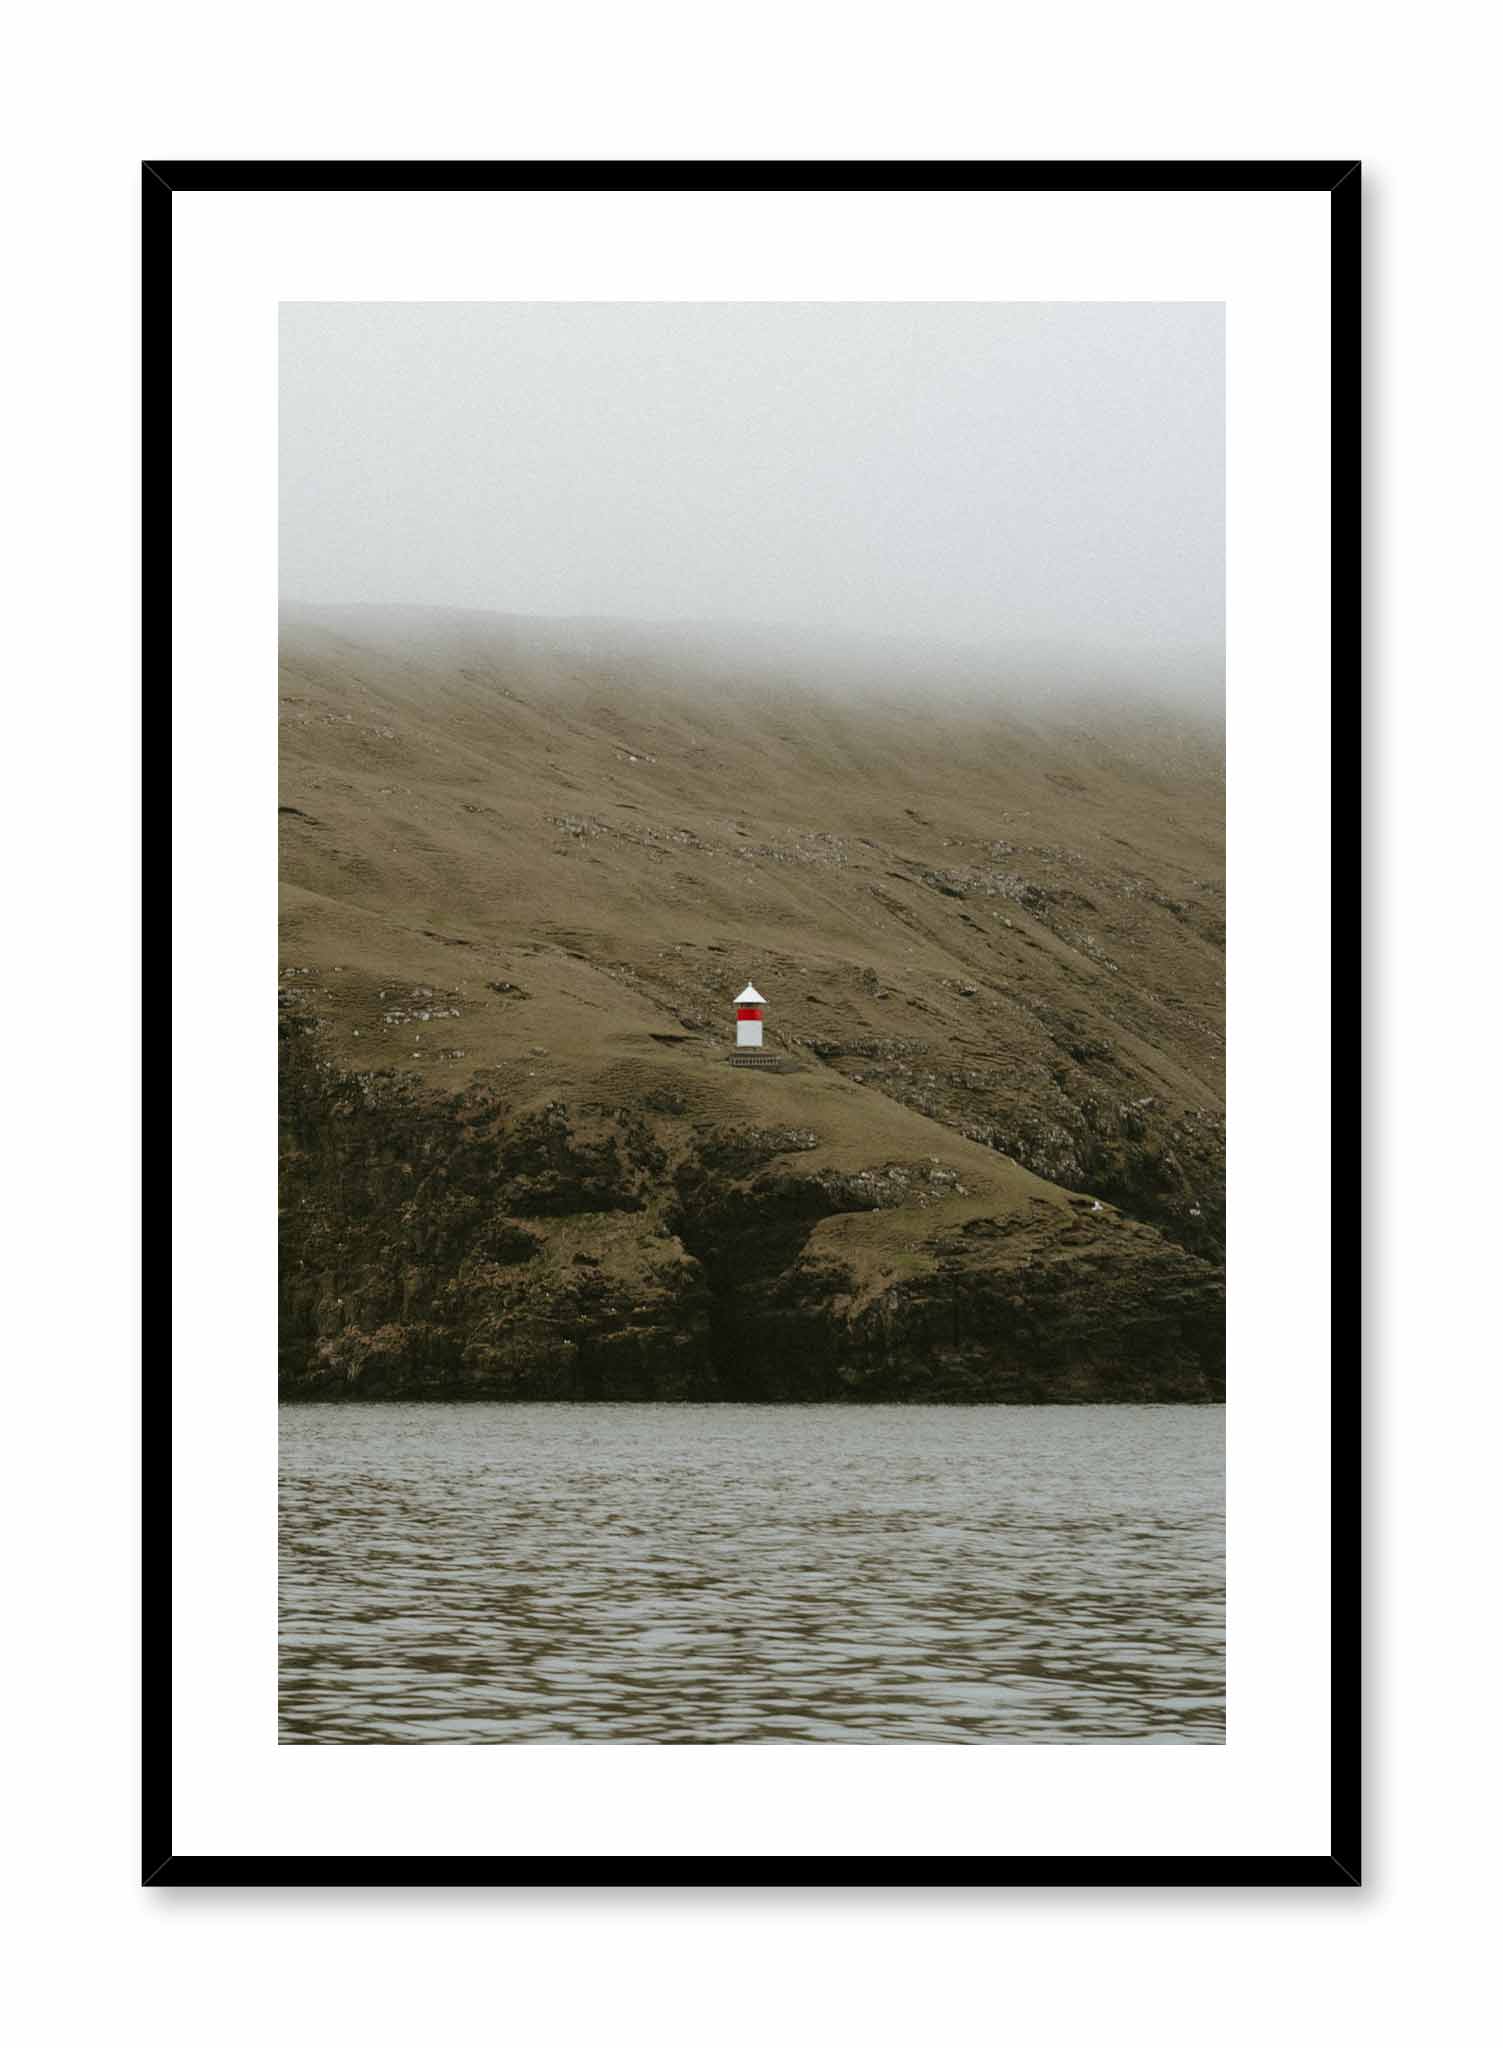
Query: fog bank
1037, 490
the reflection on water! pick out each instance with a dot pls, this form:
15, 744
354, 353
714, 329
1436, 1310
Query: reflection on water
650, 1573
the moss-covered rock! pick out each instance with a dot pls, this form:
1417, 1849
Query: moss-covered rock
442, 1247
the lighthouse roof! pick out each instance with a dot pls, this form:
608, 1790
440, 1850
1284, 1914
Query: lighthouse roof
749, 995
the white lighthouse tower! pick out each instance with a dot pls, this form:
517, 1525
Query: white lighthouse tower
749, 1007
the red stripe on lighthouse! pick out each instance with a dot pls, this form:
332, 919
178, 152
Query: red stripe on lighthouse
747, 1013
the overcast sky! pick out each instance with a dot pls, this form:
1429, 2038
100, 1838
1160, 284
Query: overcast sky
968, 473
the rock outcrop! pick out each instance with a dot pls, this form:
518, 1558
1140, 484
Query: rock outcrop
446, 1246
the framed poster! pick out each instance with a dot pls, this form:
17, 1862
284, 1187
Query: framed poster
802, 1268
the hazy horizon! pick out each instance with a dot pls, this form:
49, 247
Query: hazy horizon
1041, 480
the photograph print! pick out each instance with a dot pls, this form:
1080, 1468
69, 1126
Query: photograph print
752, 1194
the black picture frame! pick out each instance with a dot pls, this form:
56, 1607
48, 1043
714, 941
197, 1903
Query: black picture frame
1341, 179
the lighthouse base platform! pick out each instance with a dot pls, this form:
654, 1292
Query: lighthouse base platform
769, 1062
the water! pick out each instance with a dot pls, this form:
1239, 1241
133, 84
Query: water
652, 1573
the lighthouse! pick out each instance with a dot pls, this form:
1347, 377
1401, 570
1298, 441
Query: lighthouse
749, 1017
749, 1048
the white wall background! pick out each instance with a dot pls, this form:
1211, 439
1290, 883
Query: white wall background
99, 1959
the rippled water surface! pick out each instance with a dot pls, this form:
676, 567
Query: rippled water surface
501, 1573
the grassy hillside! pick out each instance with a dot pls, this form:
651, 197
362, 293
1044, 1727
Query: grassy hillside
526, 866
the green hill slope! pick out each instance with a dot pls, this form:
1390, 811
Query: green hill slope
527, 865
